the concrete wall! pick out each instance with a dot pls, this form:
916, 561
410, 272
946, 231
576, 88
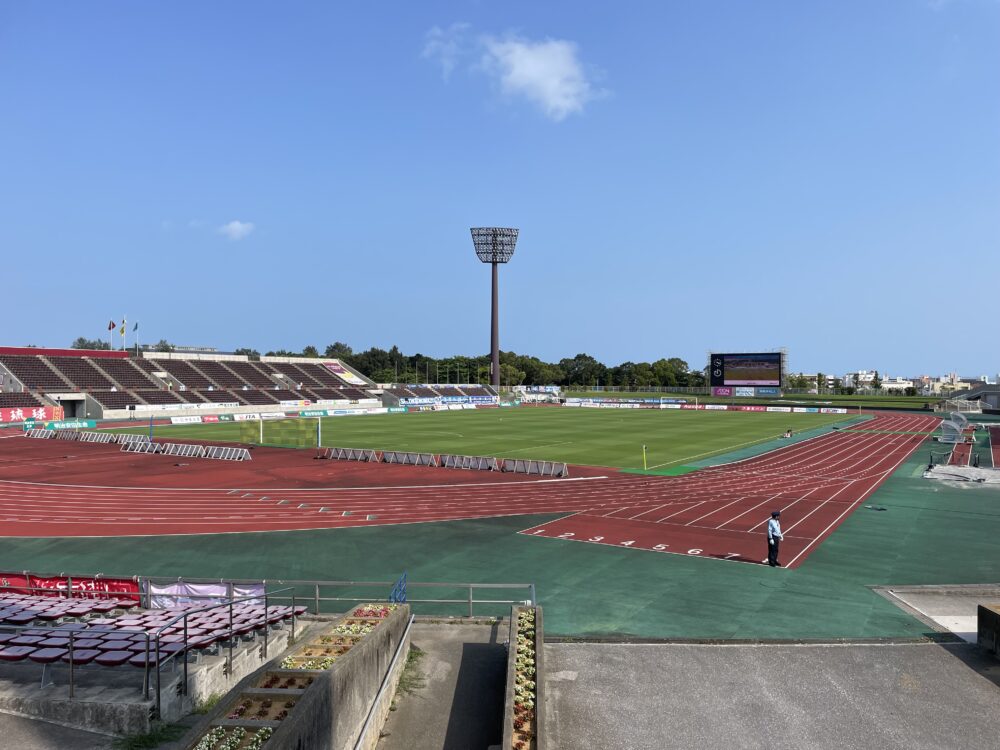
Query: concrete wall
333, 710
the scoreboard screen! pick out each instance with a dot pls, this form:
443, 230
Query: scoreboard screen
745, 369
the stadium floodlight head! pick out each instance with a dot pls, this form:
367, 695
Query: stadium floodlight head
494, 245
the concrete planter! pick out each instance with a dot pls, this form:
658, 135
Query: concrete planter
511, 734
331, 710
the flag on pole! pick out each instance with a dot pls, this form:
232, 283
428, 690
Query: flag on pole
122, 331
111, 325
135, 328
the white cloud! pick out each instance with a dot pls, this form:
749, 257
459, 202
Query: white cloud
236, 230
547, 73
447, 46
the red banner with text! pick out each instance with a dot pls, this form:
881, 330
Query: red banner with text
84, 587
38, 413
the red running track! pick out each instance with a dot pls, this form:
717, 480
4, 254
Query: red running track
722, 511
54, 488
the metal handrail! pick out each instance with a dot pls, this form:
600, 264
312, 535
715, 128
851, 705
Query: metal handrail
186, 613
316, 599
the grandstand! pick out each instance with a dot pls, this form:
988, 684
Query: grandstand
114, 385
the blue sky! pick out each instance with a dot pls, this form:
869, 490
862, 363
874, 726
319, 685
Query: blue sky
823, 176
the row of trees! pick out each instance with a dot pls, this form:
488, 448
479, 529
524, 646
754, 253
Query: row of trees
392, 365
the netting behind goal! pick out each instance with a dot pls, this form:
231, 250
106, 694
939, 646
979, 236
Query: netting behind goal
282, 433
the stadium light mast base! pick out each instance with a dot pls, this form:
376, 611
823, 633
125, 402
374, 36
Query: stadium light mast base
494, 245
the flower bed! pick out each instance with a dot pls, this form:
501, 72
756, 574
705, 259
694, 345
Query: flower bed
304, 662
261, 708
524, 700
275, 681
378, 611
345, 640
234, 738
353, 627
313, 650
524, 682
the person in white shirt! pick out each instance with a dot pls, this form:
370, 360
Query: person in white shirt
773, 538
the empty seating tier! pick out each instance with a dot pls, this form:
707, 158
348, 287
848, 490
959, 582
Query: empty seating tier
476, 390
293, 376
285, 394
185, 373
159, 397
323, 374
354, 394
126, 374
18, 401
190, 397
421, 391
33, 372
114, 399
219, 374
221, 397
251, 374
258, 398
81, 373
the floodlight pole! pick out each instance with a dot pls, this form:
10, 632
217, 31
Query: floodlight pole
494, 245
495, 331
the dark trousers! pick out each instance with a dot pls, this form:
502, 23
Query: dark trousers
772, 552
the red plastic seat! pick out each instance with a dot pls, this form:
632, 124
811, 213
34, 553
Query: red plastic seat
112, 646
82, 655
26, 640
87, 643
113, 658
47, 655
15, 653
53, 643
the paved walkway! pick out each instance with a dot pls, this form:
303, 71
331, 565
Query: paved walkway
460, 705
30, 734
646, 697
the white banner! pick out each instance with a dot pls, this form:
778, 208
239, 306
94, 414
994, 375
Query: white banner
199, 594
246, 417
670, 406
715, 407
833, 411
186, 420
779, 408
272, 415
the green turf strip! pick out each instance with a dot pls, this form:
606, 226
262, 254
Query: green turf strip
595, 437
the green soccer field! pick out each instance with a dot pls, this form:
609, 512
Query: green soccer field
597, 437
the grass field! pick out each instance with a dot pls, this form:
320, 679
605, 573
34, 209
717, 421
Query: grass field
580, 436
809, 399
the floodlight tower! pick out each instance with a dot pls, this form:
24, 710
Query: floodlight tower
494, 245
